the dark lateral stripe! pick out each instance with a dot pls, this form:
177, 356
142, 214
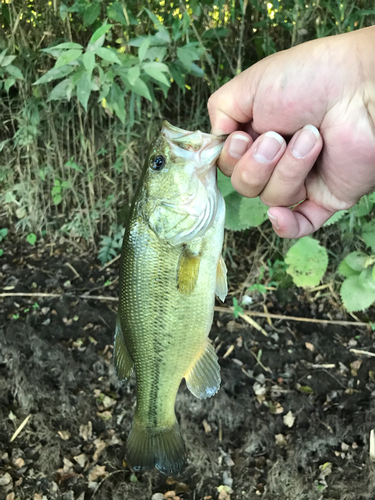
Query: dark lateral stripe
152, 414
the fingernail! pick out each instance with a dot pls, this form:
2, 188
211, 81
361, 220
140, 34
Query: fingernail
273, 220
238, 145
305, 141
268, 148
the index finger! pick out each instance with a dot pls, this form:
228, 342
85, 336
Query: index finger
231, 105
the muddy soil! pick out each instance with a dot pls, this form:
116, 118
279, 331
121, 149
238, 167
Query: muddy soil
291, 421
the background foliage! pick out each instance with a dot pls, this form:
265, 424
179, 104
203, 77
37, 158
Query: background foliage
85, 84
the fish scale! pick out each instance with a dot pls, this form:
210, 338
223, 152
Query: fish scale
171, 266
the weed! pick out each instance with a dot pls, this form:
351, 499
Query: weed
110, 246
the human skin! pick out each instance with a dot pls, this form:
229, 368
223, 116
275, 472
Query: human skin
302, 127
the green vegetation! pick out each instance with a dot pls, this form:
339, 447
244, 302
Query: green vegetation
85, 85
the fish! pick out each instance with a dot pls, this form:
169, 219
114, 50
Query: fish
171, 268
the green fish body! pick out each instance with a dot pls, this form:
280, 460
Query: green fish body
171, 268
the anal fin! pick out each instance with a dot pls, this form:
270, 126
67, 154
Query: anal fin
203, 378
221, 279
122, 359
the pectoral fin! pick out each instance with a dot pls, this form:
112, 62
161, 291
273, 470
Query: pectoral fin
203, 379
123, 361
187, 273
221, 279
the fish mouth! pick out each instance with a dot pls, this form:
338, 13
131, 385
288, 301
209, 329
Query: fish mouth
172, 132
206, 148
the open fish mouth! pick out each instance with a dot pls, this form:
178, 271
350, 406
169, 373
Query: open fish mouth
205, 148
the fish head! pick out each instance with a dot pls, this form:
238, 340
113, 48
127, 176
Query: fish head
181, 194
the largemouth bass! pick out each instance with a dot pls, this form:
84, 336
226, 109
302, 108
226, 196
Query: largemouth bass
171, 268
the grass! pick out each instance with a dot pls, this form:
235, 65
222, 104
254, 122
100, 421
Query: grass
71, 172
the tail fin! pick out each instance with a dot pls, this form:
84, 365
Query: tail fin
161, 448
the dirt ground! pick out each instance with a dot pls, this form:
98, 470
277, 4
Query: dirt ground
291, 421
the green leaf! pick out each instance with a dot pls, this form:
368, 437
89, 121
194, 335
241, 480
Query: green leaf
345, 270
368, 234
99, 33
196, 70
65, 45
307, 262
366, 278
252, 212
116, 12
155, 20
224, 183
356, 295
91, 13
66, 184
68, 57
77, 75
64, 11
119, 109
137, 42
232, 207
176, 72
2, 55
1, 252
156, 65
156, 53
187, 56
63, 90
3, 233
84, 89
9, 82
15, 72
305, 388
143, 48
258, 287
356, 261
57, 199
115, 100
216, 32
335, 218
141, 89
161, 38
108, 55
7, 60
363, 207
54, 74
74, 166
31, 238
371, 197
155, 70
89, 62
133, 74
176, 31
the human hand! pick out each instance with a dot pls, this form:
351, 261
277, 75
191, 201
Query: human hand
326, 86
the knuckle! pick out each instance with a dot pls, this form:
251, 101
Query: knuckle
266, 201
210, 104
251, 182
288, 176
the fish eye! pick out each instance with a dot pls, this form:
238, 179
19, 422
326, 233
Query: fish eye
158, 162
